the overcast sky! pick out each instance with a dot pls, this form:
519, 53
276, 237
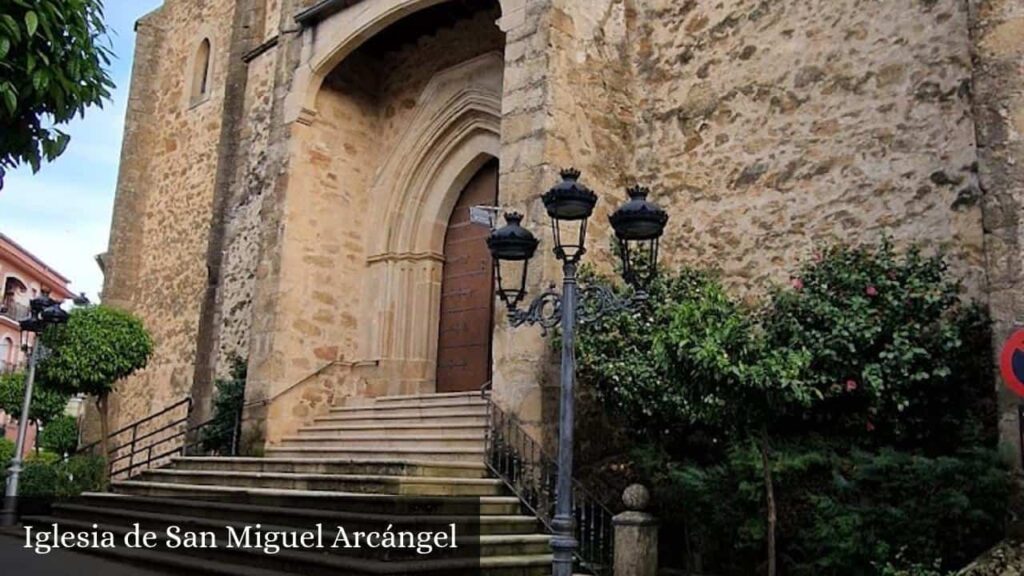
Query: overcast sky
62, 214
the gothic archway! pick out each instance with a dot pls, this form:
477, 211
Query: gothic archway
455, 134
329, 35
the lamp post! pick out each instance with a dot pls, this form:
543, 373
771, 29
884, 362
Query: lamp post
45, 311
638, 226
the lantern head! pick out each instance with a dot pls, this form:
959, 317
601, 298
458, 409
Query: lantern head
512, 247
639, 225
569, 204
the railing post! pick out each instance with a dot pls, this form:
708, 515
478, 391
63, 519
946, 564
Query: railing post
236, 431
636, 535
131, 453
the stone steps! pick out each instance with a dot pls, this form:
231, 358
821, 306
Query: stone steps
416, 430
431, 441
425, 418
428, 399
322, 499
334, 466
355, 453
364, 483
479, 407
412, 462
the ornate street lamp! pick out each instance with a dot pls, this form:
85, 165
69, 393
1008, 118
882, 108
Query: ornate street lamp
639, 225
45, 311
569, 204
513, 245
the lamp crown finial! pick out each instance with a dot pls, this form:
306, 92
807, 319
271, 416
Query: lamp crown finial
570, 174
513, 217
638, 191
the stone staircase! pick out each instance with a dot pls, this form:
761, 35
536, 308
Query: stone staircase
416, 462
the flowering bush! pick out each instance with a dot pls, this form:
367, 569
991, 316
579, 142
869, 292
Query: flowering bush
896, 356
872, 384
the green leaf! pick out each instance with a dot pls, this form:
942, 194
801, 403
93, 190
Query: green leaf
31, 22
10, 100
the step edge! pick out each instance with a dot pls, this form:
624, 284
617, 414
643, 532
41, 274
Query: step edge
303, 493
314, 476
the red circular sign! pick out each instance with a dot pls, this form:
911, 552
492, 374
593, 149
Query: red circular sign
1011, 362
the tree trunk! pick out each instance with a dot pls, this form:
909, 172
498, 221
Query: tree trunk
101, 406
769, 489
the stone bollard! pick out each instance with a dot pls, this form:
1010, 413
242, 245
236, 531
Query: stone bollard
636, 535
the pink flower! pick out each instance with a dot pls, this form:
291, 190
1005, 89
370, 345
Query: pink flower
870, 427
871, 291
851, 385
798, 284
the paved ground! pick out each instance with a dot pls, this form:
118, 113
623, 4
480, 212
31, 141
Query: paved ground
16, 560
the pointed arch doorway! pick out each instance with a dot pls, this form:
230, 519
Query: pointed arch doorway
467, 291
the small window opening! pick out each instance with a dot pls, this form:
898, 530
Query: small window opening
201, 73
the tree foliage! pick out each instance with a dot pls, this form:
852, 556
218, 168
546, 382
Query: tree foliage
97, 347
60, 435
898, 358
716, 370
872, 380
222, 433
47, 402
54, 56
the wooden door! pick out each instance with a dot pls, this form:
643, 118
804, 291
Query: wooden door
467, 292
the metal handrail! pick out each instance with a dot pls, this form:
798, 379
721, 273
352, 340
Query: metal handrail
135, 425
530, 473
141, 447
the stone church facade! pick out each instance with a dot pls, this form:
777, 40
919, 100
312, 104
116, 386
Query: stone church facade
295, 173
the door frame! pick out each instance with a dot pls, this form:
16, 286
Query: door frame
494, 165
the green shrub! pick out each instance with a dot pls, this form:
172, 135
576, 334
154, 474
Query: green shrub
841, 513
43, 456
944, 511
60, 435
898, 359
220, 435
6, 453
38, 478
46, 477
47, 402
874, 381
81, 474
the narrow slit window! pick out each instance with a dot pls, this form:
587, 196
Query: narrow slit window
201, 73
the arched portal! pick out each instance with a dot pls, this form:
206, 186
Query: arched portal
403, 124
453, 136
329, 36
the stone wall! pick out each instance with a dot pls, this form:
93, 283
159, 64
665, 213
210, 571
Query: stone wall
243, 211
772, 127
168, 174
997, 27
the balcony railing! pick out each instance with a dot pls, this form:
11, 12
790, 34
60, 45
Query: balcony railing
15, 311
9, 367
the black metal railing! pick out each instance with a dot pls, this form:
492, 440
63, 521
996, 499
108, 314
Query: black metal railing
517, 459
15, 311
155, 439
